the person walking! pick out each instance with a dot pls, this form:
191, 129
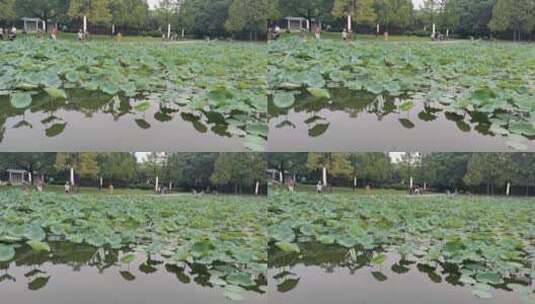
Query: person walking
319, 187
13, 33
345, 35
317, 32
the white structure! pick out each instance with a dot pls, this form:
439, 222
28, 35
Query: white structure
299, 23
31, 25
17, 177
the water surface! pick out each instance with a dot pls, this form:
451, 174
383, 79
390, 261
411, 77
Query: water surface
328, 274
85, 275
354, 121
90, 121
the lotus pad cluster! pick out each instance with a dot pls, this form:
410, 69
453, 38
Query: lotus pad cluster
464, 78
226, 235
490, 241
227, 80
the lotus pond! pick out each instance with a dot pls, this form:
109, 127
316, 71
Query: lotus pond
198, 96
414, 249
133, 249
478, 96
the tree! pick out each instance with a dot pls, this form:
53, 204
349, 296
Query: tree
409, 165
32, 162
250, 15
134, 13
205, 17
7, 10
336, 164
360, 11
308, 9
524, 169
85, 164
191, 169
514, 15
117, 166
287, 162
97, 11
371, 167
491, 169
44, 10
445, 170
394, 13
168, 12
239, 169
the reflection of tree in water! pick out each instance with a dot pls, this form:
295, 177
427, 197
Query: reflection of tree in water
356, 103
332, 259
78, 256
90, 103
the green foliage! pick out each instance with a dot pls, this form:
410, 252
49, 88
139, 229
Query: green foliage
456, 78
84, 164
238, 169
222, 80
97, 11
360, 10
394, 12
249, 15
117, 166
179, 229
482, 240
7, 10
134, 13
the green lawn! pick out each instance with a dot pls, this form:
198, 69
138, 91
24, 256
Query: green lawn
362, 37
85, 190
348, 190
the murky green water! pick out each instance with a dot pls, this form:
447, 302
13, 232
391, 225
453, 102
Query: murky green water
89, 121
82, 274
328, 274
360, 122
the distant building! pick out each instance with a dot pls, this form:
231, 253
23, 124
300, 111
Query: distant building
16, 176
299, 23
31, 25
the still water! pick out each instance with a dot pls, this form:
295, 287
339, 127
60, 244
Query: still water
328, 274
90, 121
85, 275
360, 122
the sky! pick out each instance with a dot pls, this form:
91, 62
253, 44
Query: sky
417, 3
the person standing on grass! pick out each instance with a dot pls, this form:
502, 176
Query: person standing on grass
291, 185
80, 36
317, 32
319, 187
13, 34
345, 35
39, 185
67, 188
1, 33
54, 33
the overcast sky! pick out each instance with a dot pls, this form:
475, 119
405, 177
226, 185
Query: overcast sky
417, 3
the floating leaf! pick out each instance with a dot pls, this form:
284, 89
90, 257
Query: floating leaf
288, 247
21, 100
142, 106
38, 245
56, 93
283, 99
318, 92
7, 253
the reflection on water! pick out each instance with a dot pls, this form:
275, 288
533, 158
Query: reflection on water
73, 273
91, 121
332, 274
352, 121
